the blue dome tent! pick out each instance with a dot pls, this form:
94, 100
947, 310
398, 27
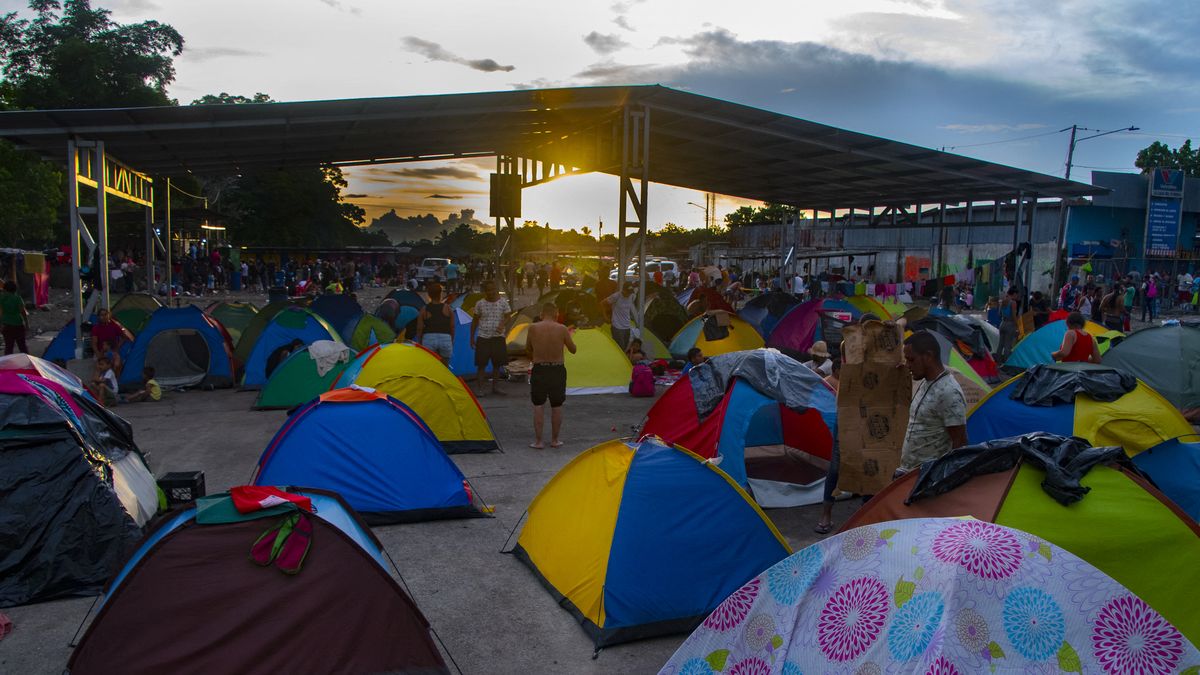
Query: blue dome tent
292, 323
372, 450
185, 346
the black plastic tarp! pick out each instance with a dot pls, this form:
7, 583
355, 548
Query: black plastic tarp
1051, 384
969, 334
63, 530
1065, 459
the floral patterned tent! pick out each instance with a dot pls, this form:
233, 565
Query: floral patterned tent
933, 595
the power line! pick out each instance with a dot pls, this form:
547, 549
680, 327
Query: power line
1007, 140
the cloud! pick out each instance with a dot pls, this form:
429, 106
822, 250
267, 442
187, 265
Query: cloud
435, 52
604, 43
339, 6
209, 53
623, 21
429, 173
787, 90
356, 196
441, 196
991, 128
611, 72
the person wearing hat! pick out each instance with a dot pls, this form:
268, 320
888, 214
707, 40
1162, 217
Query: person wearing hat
819, 362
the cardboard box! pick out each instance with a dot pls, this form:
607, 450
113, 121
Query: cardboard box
873, 399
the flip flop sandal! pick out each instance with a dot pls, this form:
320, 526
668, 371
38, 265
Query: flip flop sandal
266, 547
295, 549
823, 529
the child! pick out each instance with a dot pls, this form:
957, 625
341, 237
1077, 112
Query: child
150, 390
107, 351
104, 382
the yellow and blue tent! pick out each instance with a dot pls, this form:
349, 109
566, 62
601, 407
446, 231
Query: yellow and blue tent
1153, 433
639, 540
741, 337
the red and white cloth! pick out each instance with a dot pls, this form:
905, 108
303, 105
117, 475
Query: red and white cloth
251, 498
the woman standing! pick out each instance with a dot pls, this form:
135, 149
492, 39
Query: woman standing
1008, 323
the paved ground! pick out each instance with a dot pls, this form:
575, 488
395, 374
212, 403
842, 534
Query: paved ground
490, 611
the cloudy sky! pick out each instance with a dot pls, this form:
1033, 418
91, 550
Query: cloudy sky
994, 79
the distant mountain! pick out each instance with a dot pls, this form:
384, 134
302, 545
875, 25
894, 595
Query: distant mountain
415, 228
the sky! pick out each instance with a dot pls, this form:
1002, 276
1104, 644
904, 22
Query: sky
993, 79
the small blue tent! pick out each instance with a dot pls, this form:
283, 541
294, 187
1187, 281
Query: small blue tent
185, 346
292, 323
62, 347
462, 361
372, 450
339, 310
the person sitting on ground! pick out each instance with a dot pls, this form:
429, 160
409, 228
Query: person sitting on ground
107, 351
108, 329
281, 353
103, 386
1078, 345
150, 390
820, 363
634, 351
694, 358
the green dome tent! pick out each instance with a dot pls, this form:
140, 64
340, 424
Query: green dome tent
296, 381
235, 316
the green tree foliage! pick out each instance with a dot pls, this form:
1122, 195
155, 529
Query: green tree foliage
31, 192
466, 240
68, 55
293, 206
767, 213
72, 56
1159, 154
223, 98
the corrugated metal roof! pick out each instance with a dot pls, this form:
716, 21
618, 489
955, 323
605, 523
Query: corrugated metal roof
695, 142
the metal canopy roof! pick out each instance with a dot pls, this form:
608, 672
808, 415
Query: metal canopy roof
695, 142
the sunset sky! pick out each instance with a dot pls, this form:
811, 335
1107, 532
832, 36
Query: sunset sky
997, 79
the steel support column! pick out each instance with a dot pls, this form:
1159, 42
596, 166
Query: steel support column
150, 251
1029, 267
506, 239
1019, 206
101, 226
632, 211
74, 240
169, 272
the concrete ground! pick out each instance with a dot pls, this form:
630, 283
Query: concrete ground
490, 611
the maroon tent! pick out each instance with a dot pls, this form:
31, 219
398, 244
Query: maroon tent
191, 601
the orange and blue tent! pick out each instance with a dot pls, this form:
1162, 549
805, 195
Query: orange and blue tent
372, 450
639, 540
417, 378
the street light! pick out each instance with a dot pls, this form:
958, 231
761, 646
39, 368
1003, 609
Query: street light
1062, 211
705, 209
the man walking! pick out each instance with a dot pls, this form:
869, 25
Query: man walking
619, 308
14, 318
487, 335
937, 416
548, 378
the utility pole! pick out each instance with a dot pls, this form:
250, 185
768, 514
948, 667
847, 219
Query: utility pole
1059, 259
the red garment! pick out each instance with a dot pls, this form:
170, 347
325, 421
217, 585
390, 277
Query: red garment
250, 498
1081, 351
110, 332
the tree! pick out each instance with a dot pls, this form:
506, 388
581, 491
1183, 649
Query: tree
1159, 154
32, 193
223, 98
69, 55
767, 213
72, 56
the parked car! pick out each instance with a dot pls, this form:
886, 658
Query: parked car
432, 268
670, 271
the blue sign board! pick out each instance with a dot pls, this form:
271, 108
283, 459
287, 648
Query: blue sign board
1164, 213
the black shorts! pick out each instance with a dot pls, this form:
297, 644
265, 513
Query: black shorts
493, 349
548, 382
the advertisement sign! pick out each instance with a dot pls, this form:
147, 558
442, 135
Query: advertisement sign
1164, 213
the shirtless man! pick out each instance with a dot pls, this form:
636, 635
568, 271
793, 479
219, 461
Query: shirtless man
548, 378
